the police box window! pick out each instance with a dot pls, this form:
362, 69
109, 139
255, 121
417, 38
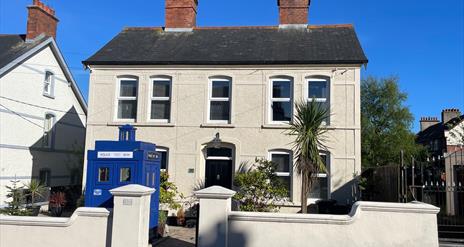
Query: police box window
103, 174
164, 157
125, 174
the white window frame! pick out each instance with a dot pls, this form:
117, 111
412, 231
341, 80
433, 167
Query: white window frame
119, 97
290, 169
166, 150
272, 99
48, 133
50, 84
322, 100
152, 98
222, 99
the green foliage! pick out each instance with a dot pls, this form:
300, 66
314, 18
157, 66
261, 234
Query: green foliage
308, 130
162, 217
17, 201
168, 192
34, 189
385, 123
259, 189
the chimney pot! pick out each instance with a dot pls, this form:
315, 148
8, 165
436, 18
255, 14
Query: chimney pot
426, 122
41, 20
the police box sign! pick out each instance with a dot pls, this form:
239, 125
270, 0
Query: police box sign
152, 155
115, 155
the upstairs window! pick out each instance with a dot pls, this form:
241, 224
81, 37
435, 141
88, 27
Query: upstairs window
127, 99
318, 90
281, 100
48, 130
160, 110
283, 161
49, 84
219, 100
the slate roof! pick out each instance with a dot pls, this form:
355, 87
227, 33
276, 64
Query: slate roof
14, 45
336, 44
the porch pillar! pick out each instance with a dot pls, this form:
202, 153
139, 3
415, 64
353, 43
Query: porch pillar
131, 216
215, 205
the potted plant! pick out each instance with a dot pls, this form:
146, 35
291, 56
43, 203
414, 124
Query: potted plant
57, 203
181, 216
34, 190
163, 217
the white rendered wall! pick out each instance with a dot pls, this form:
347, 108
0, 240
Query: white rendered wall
250, 132
21, 151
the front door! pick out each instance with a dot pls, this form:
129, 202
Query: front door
218, 172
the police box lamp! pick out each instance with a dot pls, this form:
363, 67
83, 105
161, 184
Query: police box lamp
117, 163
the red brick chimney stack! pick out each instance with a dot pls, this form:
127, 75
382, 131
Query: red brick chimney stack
293, 12
41, 20
181, 14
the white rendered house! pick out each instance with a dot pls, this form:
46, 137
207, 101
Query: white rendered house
42, 112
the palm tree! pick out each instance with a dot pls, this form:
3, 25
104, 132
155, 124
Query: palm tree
35, 189
307, 128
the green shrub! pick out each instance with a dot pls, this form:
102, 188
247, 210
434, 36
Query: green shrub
168, 192
16, 204
259, 188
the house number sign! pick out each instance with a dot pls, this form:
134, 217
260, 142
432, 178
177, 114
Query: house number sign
115, 155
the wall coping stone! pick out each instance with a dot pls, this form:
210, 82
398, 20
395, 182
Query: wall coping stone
214, 192
413, 207
53, 221
132, 190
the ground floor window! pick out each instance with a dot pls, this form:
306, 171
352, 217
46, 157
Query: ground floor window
44, 177
283, 161
320, 187
164, 153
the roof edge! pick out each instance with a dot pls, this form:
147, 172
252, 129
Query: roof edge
348, 25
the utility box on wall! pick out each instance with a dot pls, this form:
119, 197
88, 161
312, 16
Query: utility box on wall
117, 163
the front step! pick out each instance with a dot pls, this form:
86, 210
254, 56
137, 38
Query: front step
451, 232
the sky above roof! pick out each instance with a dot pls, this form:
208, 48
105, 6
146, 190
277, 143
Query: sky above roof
420, 41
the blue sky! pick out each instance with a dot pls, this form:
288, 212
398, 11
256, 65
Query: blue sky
420, 41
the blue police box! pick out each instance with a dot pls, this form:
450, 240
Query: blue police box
117, 163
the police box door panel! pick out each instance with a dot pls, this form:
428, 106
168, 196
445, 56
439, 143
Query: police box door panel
103, 182
110, 175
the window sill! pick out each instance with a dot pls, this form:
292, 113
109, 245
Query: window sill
275, 126
216, 125
49, 96
149, 124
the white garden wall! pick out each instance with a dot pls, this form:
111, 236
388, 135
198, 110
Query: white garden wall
86, 227
368, 224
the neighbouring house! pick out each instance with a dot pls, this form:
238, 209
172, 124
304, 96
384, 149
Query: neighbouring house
445, 136
214, 97
42, 112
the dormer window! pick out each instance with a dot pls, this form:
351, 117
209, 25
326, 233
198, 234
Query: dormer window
49, 84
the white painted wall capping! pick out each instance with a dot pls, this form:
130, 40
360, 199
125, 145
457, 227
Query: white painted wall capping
368, 224
86, 227
132, 190
214, 192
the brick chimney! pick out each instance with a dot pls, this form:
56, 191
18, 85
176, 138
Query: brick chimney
293, 12
181, 14
448, 114
426, 122
41, 20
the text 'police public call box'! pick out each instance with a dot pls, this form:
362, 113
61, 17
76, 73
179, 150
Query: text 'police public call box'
117, 163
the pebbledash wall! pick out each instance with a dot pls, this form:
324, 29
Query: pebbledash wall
24, 153
250, 134
368, 224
